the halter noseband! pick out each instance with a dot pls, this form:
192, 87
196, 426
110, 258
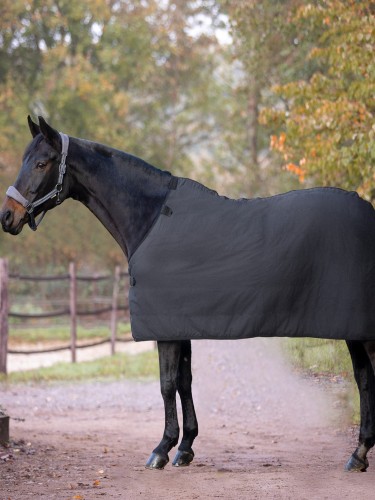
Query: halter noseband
12, 192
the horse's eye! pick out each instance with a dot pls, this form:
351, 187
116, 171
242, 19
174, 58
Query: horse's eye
40, 165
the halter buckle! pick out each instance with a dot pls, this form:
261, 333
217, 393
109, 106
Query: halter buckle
58, 189
29, 208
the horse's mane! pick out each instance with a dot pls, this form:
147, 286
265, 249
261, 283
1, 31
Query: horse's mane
107, 152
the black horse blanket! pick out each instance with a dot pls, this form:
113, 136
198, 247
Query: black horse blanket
300, 264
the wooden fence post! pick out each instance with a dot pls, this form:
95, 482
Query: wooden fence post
73, 310
116, 286
3, 315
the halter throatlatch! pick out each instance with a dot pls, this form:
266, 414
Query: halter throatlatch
12, 192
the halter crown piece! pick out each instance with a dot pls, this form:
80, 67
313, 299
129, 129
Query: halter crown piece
12, 192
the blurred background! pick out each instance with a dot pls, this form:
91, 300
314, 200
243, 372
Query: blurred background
250, 98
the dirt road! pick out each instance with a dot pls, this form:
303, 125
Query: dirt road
265, 433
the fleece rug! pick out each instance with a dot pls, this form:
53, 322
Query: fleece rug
299, 264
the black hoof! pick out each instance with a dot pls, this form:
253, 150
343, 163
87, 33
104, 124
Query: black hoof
356, 464
157, 461
183, 458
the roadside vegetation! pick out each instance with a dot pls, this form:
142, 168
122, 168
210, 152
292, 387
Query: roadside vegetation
330, 357
143, 366
61, 333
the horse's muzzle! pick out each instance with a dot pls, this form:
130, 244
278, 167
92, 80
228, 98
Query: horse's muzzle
12, 216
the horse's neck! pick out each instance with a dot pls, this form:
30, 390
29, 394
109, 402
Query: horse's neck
122, 191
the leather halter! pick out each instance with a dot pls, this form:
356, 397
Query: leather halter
13, 192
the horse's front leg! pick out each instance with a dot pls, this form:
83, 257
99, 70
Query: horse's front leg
185, 452
169, 358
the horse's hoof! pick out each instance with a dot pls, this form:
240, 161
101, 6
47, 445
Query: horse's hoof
157, 461
183, 458
356, 464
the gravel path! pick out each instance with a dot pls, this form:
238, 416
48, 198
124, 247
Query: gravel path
265, 433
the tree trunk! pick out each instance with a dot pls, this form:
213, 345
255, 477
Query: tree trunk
254, 177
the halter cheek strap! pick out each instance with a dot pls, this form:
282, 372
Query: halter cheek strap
12, 192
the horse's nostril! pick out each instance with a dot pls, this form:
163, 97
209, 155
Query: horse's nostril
7, 219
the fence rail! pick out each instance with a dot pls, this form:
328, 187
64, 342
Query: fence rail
72, 310
66, 347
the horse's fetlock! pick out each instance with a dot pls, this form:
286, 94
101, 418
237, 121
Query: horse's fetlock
172, 435
191, 432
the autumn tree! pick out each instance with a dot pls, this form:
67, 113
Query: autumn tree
266, 50
130, 74
325, 124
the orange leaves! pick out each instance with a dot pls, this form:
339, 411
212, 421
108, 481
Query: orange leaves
278, 142
327, 120
297, 170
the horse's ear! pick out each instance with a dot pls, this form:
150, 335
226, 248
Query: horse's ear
50, 134
34, 128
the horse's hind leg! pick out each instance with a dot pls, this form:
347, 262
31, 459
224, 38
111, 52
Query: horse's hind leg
363, 359
185, 452
169, 358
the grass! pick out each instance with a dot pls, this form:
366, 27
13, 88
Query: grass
139, 366
327, 358
319, 356
61, 333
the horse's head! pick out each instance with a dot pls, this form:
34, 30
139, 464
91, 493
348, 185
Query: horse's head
39, 184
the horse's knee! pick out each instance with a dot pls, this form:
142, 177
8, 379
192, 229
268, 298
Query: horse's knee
184, 390
168, 389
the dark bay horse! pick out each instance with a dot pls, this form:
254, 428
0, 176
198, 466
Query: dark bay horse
127, 195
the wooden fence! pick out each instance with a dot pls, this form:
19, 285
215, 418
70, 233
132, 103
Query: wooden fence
71, 310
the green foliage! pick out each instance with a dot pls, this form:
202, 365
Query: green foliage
151, 78
266, 50
132, 75
140, 366
320, 356
326, 129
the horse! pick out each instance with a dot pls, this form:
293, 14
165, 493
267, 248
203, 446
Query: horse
308, 264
